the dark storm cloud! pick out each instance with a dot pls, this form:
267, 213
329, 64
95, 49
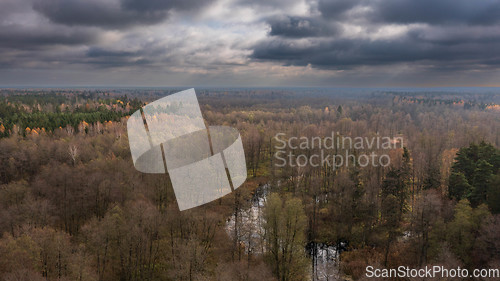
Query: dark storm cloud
455, 36
106, 13
299, 27
75, 31
21, 29
155, 5
458, 33
337, 54
22, 37
149, 55
96, 52
411, 11
116, 14
335, 9
124, 61
348, 53
483, 12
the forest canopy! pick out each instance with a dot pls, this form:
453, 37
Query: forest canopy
476, 175
73, 207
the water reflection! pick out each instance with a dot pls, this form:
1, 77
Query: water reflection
324, 258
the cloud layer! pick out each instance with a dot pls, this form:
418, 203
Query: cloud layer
235, 42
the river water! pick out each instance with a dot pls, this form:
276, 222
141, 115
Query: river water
324, 258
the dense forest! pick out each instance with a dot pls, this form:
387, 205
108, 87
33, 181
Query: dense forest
73, 207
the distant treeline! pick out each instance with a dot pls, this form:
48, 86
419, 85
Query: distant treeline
51, 110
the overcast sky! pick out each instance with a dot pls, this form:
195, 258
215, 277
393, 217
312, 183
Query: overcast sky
358, 43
